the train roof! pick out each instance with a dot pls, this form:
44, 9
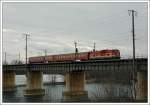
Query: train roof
79, 52
57, 54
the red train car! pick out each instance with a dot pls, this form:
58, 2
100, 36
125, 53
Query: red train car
49, 58
105, 54
71, 57
62, 57
83, 56
38, 59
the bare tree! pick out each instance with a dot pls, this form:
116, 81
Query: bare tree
5, 63
16, 62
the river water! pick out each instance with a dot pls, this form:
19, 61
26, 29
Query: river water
97, 92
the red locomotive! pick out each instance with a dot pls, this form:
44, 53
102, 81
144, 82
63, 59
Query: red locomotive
83, 56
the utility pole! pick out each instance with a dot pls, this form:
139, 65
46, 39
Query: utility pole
26, 36
94, 47
45, 52
76, 50
5, 58
19, 56
133, 39
19, 59
45, 55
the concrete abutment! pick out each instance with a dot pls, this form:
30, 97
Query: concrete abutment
141, 86
8, 81
75, 87
34, 84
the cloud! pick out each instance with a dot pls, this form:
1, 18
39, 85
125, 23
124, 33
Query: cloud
55, 27
8, 30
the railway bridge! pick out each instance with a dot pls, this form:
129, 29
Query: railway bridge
75, 75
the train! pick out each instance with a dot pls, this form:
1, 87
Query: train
82, 56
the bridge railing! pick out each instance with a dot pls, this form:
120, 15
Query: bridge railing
62, 67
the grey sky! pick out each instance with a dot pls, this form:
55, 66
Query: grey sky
73, 0
55, 27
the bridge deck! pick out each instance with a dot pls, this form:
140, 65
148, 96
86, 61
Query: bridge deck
90, 66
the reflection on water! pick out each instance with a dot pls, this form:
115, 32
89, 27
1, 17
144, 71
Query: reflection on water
96, 91
21, 79
109, 92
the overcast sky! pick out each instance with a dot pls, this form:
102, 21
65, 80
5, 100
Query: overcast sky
75, 0
55, 27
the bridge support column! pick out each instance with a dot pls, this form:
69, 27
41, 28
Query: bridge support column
8, 81
141, 89
75, 84
34, 85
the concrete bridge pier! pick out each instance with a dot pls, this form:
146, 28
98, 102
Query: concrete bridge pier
8, 81
75, 87
34, 86
141, 86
